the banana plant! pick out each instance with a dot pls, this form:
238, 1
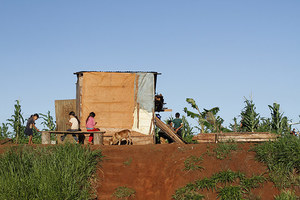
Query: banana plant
17, 122
205, 119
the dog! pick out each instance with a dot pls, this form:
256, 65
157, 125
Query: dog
121, 135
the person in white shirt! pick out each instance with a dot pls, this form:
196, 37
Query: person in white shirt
74, 123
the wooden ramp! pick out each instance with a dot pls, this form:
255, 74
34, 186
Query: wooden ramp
167, 130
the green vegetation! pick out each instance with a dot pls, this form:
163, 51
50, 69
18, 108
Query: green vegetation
287, 195
224, 149
128, 162
124, 193
283, 160
4, 133
56, 172
193, 163
48, 121
230, 192
17, 122
219, 182
250, 119
279, 122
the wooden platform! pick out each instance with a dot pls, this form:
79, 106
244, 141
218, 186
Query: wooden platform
236, 136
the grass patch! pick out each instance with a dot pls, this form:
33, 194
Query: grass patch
230, 193
55, 172
219, 182
287, 195
224, 149
283, 160
193, 163
124, 192
128, 162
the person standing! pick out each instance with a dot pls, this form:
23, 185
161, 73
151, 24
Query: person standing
30, 125
178, 124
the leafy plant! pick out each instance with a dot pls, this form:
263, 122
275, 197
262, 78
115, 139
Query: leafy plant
53, 172
17, 122
193, 163
206, 119
124, 192
223, 149
253, 182
287, 195
48, 121
227, 176
250, 119
279, 122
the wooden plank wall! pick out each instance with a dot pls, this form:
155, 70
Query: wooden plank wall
62, 110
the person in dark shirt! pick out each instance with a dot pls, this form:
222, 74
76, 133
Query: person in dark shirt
178, 124
30, 125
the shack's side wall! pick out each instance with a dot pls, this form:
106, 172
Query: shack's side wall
144, 110
110, 96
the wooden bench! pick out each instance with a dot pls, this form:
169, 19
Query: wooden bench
98, 135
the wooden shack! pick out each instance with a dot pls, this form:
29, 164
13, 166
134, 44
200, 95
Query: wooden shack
120, 100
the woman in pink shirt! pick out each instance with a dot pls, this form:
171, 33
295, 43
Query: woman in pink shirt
90, 125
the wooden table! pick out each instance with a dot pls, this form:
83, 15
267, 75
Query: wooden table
98, 135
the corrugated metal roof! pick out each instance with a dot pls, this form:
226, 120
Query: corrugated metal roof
157, 73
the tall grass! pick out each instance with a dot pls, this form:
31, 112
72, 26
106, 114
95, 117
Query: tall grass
56, 172
283, 160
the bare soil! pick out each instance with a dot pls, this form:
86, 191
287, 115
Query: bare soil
156, 171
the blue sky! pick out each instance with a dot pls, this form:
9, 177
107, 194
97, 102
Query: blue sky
216, 52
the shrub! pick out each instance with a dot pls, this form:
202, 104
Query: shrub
56, 172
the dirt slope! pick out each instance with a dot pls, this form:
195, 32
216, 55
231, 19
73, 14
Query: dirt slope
156, 171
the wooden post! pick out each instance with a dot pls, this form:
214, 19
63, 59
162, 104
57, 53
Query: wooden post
45, 137
98, 138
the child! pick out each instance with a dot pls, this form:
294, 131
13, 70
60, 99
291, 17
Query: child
90, 125
178, 124
74, 123
30, 125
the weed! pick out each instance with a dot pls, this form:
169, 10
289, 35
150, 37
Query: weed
253, 182
186, 193
287, 195
124, 192
230, 193
128, 162
227, 176
193, 163
223, 150
55, 172
206, 183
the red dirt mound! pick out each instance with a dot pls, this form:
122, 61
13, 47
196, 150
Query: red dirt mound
156, 171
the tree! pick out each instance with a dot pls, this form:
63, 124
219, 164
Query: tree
250, 119
17, 122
